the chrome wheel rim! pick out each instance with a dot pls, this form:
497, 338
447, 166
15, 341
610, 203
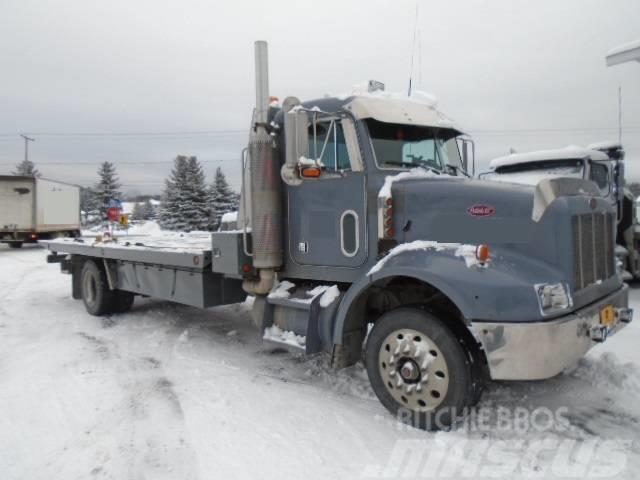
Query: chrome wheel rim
413, 369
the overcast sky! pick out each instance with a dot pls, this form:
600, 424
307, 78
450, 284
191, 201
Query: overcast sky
137, 82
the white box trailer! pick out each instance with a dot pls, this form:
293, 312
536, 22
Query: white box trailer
37, 208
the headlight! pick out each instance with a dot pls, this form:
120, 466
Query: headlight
553, 297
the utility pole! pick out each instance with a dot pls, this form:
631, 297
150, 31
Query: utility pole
26, 146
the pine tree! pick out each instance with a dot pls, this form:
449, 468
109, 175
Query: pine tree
88, 205
148, 210
26, 168
138, 212
196, 208
172, 197
107, 188
222, 199
185, 203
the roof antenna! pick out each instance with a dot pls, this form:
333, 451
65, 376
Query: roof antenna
620, 114
413, 49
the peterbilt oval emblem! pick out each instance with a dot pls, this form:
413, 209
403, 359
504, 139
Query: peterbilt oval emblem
481, 210
593, 203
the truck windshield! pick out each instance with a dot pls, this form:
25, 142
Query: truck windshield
408, 146
531, 173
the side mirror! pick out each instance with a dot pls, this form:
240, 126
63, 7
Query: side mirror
296, 137
465, 156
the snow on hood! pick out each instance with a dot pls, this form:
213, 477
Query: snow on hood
569, 153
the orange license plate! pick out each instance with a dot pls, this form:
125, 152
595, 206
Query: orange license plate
607, 316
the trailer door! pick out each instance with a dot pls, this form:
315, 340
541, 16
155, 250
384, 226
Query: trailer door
16, 204
327, 220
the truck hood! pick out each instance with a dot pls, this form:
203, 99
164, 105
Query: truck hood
479, 211
523, 225
464, 211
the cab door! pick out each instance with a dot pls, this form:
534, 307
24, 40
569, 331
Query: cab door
327, 215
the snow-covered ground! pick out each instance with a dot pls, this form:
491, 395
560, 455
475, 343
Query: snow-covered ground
168, 391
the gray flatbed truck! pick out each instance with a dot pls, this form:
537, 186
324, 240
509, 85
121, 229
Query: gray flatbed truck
361, 235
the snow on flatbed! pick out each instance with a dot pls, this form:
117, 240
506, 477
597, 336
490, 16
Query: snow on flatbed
167, 391
176, 242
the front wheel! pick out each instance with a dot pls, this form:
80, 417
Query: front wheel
418, 369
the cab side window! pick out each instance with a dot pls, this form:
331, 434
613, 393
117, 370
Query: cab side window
330, 136
600, 175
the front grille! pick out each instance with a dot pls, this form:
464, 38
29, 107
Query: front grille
593, 248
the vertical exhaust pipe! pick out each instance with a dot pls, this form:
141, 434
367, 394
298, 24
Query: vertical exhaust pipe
266, 185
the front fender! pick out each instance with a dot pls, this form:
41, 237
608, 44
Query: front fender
502, 290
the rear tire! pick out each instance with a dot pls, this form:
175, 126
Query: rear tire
97, 298
418, 369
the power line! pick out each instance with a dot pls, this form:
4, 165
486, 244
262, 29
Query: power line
158, 162
131, 134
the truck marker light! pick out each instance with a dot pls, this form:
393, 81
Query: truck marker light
34, 236
482, 253
246, 268
390, 232
311, 172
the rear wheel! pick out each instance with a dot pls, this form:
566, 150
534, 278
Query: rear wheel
97, 298
418, 369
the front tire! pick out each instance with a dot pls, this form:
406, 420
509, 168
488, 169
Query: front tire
97, 297
418, 368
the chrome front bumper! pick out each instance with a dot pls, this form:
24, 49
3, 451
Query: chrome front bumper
538, 350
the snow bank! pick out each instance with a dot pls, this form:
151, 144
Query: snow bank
385, 191
608, 371
466, 252
145, 228
276, 334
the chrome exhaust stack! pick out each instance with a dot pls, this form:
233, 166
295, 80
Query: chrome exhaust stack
265, 186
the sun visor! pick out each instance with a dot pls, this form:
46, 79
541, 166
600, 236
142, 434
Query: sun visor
404, 111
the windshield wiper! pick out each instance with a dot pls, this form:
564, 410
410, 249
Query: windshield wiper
457, 170
422, 164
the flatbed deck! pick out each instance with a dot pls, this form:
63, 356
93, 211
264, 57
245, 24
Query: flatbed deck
186, 251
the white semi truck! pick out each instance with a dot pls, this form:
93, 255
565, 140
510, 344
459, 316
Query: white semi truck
33, 208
